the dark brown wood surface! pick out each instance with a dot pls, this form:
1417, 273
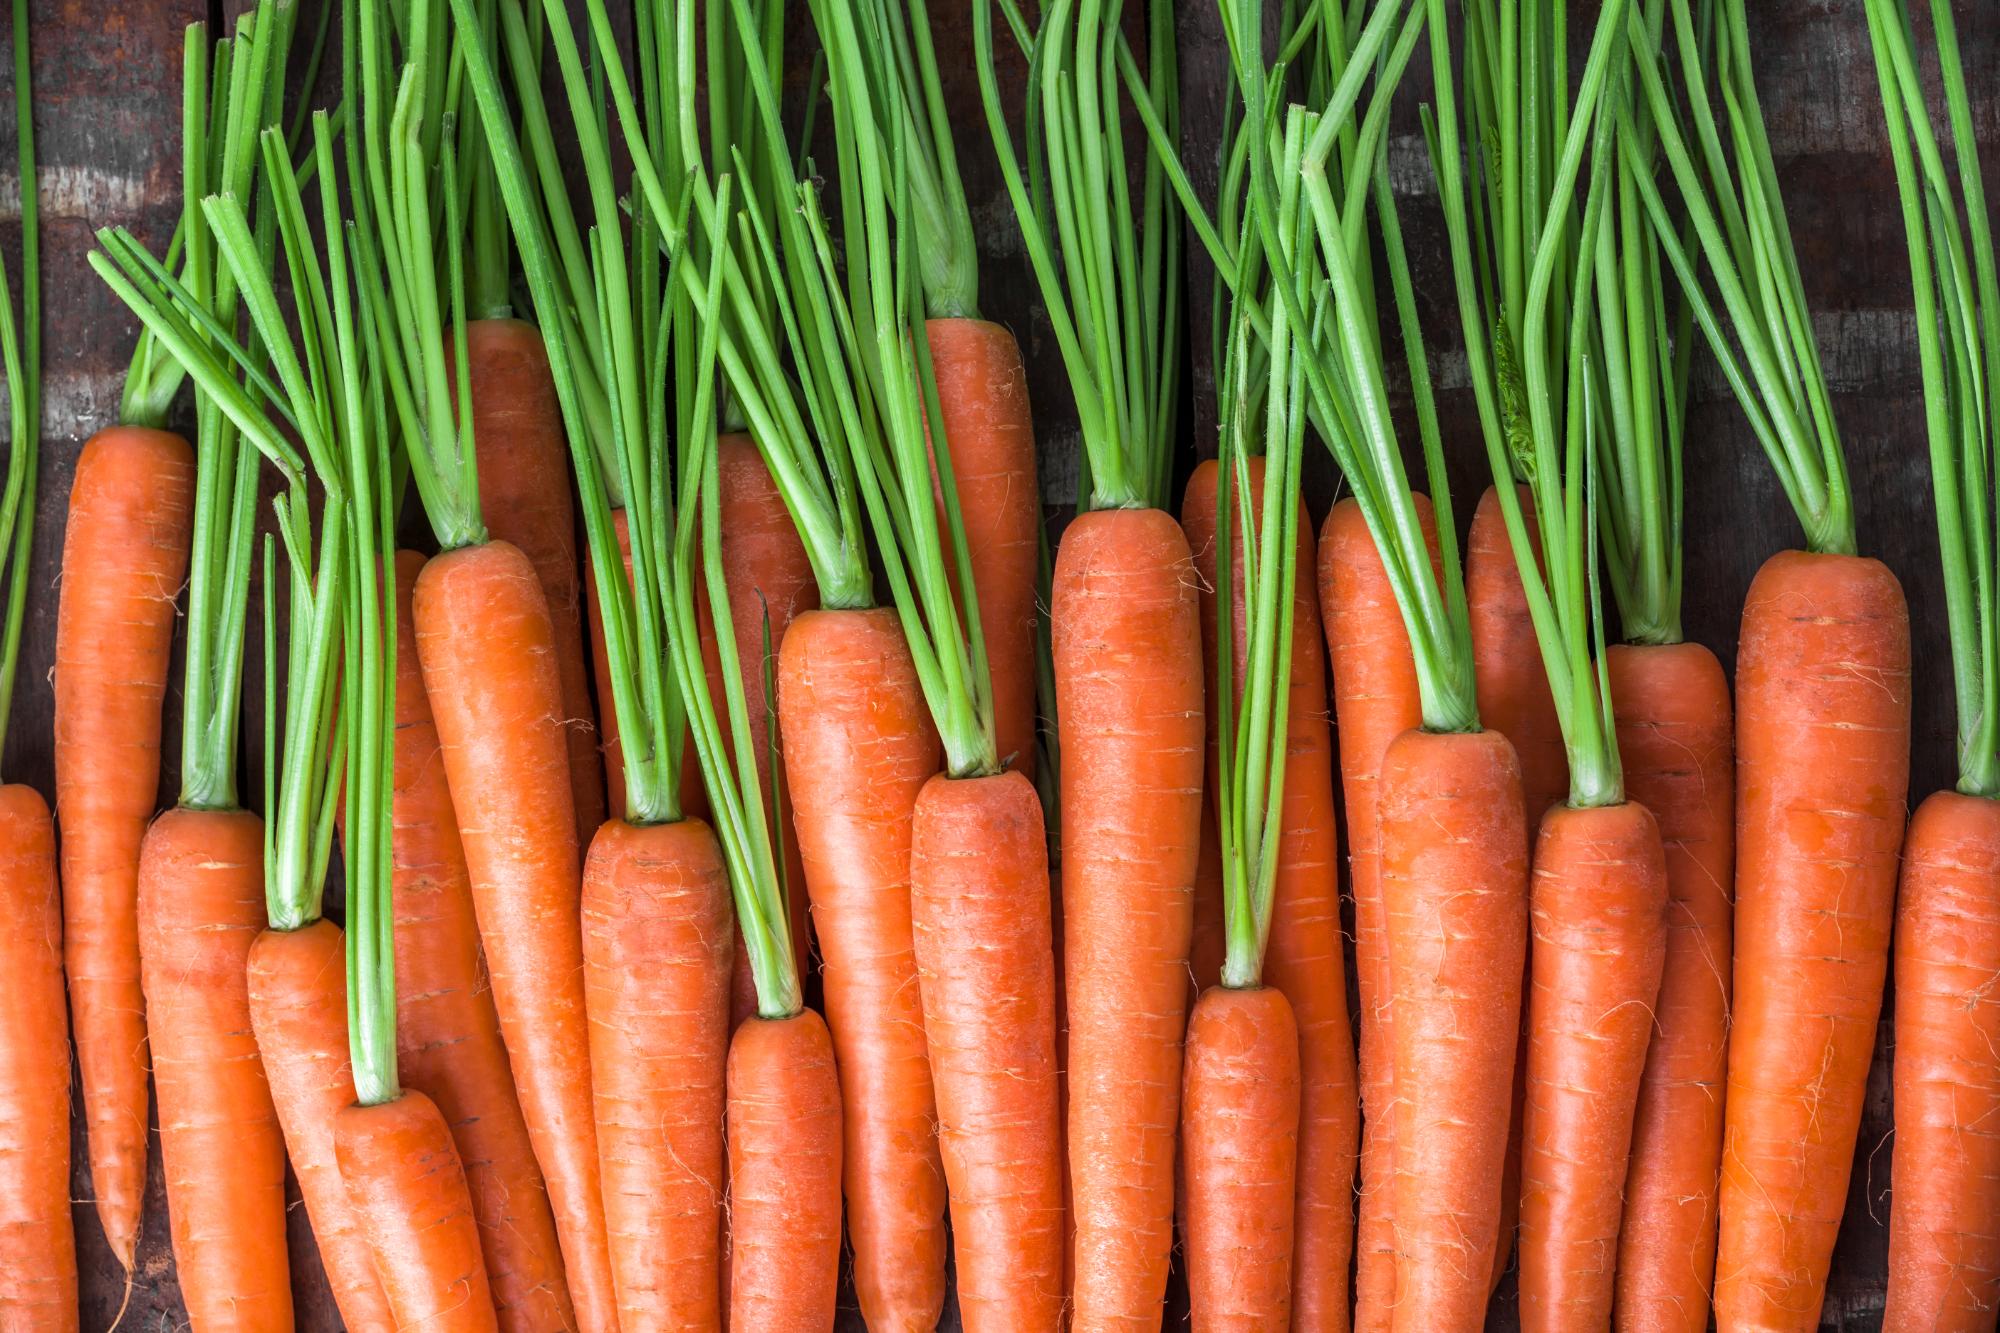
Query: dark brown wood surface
107, 112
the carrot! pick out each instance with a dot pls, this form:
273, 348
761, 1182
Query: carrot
784, 1174
859, 747
1129, 696
37, 1243
1456, 915
409, 1191
657, 927
1818, 817
1514, 695
1306, 960
1375, 700
1240, 1110
524, 492
447, 1031
979, 902
484, 639
1598, 902
125, 553
982, 394
201, 906
298, 1009
1674, 731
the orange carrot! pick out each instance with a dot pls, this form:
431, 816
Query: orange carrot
298, 1009
656, 939
1823, 762
1455, 911
1944, 1259
1375, 700
408, 1190
980, 904
37, 1242
524, 494
859, 747
448, 1043
1129, 699
1598, 902
1306, 960
483, 638
201, 906
1240, 1123
784, 1174
1674, 733
125, 553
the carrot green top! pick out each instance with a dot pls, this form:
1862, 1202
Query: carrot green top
1524, 275
1108, 265
1957, 292
1762, 333
21, 360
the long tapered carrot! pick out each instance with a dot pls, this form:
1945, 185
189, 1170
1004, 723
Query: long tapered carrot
1129, 696
125, 552
448, 1042
1375, 700
298, 1009
1455, 908
1514, 697
1599, 907
524, 493
1241, 1117
37, 1243
1822, 772
1944, 1258
1307, 958
859, 746
784, 1174
979, 892
483, 637
201, 907
656, 948
406, 1186
982, 393
1675, 734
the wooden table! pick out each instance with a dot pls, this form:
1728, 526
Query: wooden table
108, 107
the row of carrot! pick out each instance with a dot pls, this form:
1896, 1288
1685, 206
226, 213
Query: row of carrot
532, 1086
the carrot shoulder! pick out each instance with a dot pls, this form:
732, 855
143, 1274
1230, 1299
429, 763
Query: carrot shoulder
125, 552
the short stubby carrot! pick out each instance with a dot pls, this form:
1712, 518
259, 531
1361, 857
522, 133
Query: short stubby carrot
483, 638
859, 747
1455, 906
201, 906
524, 496
784, 1175
1944, 1255
1598, 904
1822, 774
1375, 700
979, 894
37, 1242
1306, 958
1127, 643
1513, 686
1240, 1131
982, 393
656, 958
298, 1009
125, 552
406, 1186
448, 1043
1676, 741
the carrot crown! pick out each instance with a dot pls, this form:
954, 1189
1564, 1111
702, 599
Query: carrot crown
1762, 331
1524, 280
1107, 264
1953, 277
21, 361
